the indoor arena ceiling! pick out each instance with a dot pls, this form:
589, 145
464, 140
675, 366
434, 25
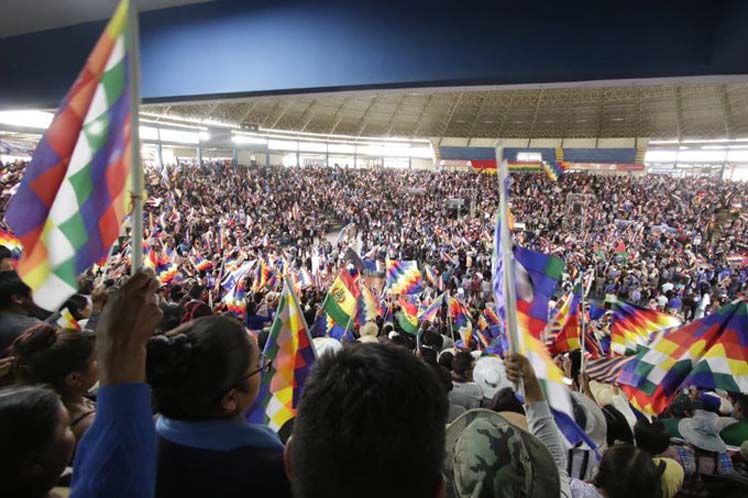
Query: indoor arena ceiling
656, 111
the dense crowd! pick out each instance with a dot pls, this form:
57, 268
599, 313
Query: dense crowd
397, 417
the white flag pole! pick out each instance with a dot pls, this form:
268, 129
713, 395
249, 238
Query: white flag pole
133, 54
507, 254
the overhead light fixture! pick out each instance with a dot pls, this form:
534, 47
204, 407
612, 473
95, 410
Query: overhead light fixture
517, 122
617, 119
548, 121
28, 119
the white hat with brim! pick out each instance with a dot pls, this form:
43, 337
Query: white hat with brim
702, 431
596, 426
490, 375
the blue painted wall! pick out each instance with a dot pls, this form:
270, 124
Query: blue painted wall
231, 48
576, 155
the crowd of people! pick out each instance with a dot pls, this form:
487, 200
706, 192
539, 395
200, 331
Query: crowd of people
148, 397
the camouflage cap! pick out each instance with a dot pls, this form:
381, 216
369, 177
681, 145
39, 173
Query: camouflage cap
486, 455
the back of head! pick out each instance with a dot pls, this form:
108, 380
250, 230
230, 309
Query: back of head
370, 423
31, 462
651, 437
76, 304
626, 471
195, 364
462, 363
11, 285
46, 355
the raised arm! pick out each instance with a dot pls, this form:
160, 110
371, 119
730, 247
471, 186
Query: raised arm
117, 456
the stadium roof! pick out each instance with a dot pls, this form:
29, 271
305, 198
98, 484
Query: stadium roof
706, 110
29, 16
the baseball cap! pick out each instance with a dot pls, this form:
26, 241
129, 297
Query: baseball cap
487, 455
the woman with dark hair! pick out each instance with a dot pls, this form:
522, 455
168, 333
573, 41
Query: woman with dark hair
63, 360
626, 471
36, 441
205, 375
79, 307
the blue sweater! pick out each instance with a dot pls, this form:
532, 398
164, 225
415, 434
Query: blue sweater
117, 455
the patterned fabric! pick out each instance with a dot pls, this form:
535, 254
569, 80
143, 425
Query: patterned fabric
709, 353
291, 352
566, 328
67, 321
433, 309
460, 316
9, 240
341, 302
236, 299
554, 169
403, 277
606, 369
369, 306
408, 315
633, 326
76, 192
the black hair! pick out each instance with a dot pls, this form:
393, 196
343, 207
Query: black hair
618, 428
190, 369
356, 426
741, 400
652, 437
505, 400
196, 292
5, 253
462, 362
445, 360
45, 354
11, 285
76, 304
627, 471
28, 419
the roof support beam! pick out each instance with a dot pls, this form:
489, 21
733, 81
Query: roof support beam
419, 122
280, 116
677, 94
726, 110
476, 119
452, 110
362, 122
307, 116
391, 120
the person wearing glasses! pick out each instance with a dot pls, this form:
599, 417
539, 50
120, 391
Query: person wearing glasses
205, 375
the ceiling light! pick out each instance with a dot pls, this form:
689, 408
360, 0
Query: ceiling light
617, 119
517, 122
548, 121
489, 122
30, 119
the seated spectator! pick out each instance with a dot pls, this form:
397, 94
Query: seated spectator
6, 259
79, 307
653, 438
734, 434
195, 307
16, 306
36, 442
490, 377
623, 472
370, 424
703, 455
63, 360
582, 463
205, 374
465, 392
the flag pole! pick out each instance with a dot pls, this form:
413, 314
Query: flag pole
585, 289
133, 42
449, 318
507, 254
